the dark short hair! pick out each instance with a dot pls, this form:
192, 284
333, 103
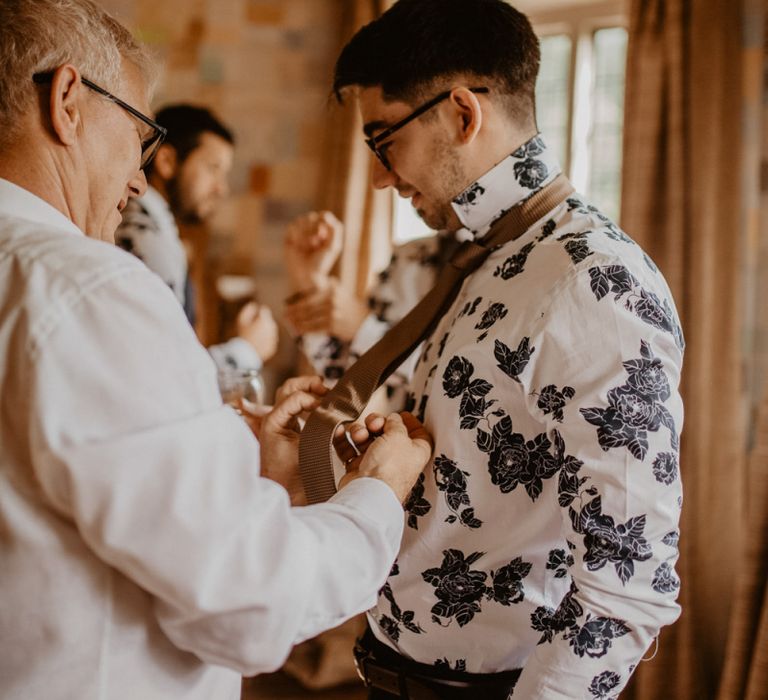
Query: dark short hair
186, 124
417, 44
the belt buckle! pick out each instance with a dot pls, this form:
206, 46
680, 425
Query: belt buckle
359, 654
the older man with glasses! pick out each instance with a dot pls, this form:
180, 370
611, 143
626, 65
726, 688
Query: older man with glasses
143, 555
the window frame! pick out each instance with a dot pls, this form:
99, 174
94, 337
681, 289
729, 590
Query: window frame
579, 22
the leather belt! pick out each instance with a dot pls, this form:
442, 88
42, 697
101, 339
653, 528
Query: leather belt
382, 668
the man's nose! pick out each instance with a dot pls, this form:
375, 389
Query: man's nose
381, 177
137, 186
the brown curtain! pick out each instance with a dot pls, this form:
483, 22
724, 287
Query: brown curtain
346, 186
745, 676
746, 670
683, 198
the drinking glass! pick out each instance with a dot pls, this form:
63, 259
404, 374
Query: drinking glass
243, 389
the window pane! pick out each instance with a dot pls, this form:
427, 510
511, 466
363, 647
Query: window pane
407, 224
552, 93
610, 53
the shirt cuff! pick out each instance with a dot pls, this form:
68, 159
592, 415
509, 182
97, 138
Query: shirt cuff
235, 353
377, 500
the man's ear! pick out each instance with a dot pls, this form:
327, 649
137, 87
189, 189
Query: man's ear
165, 162
468, 113
64, 103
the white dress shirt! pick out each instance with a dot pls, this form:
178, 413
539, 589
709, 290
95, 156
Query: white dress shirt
149, 231
142, 555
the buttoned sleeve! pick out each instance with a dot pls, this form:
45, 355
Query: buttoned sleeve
604, 371
131, 443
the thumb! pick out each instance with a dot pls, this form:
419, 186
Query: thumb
249, 312
393, 425
283, 415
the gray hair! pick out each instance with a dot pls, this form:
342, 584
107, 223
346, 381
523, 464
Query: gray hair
41, 35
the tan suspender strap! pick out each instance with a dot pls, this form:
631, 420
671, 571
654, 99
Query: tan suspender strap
348, 398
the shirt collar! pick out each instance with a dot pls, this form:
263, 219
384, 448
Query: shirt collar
19, 203
508, 183
157, 207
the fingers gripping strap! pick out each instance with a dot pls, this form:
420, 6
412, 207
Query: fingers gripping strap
349, 397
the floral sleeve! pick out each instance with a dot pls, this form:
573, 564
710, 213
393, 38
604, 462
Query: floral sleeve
604, 374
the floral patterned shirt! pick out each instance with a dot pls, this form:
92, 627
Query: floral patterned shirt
544, 534
411, 273
149, 232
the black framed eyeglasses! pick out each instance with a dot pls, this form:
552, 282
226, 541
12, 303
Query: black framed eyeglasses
375, 142
149, 145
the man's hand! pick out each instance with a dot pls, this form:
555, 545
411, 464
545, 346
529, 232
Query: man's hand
311, 247
394, 449
279, 433
256, 325
331, 310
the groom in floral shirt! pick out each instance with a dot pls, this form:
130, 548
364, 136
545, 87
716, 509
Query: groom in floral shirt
539, 552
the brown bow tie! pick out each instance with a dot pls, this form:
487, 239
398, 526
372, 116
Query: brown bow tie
352, 392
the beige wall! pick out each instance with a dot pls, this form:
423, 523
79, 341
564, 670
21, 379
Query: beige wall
264, 66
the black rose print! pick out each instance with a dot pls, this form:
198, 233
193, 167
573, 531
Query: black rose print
665, 468
635, 407
332, 351
665, 580
596, 636
547, 230
507, 587
379, 308
452, 482
441, 345
671, 539
514, 264
389, 627
577, 246
400, 620
606, 542
588, 209
533, 147
458, 665
603, 685
615, 233
559, 561
617, 280
470, 307
551, 622
423, 403
470, 196
569, 484
417, 506
474, 405
458, 588
456, 376
513, 362
530, 173
542, 620
612, 278
553, 400
513, 460
493, 313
